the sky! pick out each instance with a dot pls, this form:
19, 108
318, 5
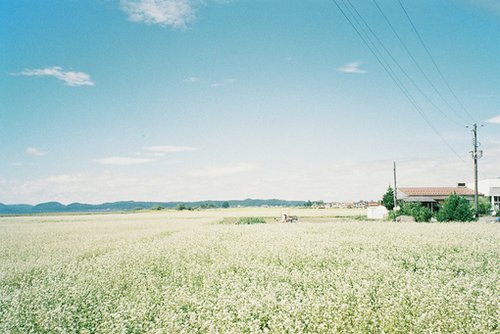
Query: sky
180, 100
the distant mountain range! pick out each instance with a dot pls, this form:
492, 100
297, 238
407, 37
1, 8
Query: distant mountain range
56, 207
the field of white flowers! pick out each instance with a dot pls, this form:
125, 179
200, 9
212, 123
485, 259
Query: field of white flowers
158, 273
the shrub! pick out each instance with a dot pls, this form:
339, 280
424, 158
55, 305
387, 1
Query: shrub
182, 207
250, 220
483, 206
456, 208
417, 211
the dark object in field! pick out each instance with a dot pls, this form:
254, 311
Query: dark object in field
405, 219
289, 219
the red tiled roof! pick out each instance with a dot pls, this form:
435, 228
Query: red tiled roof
436, 191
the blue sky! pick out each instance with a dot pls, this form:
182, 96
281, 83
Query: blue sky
165, 100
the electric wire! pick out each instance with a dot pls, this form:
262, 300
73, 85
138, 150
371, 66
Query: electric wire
429, 81
392, 74
401, 68
434, 62
376, 53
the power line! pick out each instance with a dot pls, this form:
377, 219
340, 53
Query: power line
434, 62
401, 68
392, 75
429, 81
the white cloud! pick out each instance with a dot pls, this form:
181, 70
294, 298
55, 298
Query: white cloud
123, 161
351, 68
34, 152
336, 181
70, 78
174, 13
169, 149
225, 82
331, 181
192, 80
494, 120
16, 163
223, 170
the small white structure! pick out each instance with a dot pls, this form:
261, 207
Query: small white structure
490, 188
376, 212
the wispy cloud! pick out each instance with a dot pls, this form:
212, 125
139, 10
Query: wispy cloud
123, 161
225, 82
173, 13
192, 80
70, 78
223, 170
494, 120
169, 149
34, 152
491, 6
351, 68
335, 181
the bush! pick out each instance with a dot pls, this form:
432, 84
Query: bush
250, 220
483, 206
416, 210
456, 208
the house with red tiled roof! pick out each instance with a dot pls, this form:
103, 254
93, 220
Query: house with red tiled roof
433, 197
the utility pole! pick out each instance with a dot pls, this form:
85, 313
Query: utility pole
395, 191
476, 155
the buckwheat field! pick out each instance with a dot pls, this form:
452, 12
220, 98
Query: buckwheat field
172, 272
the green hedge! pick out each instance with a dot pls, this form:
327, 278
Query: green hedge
250, 220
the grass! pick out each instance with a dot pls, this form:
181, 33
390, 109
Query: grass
247, 220
174, 273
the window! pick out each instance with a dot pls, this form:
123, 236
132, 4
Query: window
496, 202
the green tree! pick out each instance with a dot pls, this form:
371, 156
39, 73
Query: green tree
417, 211
225, 205
456, 208
308, 204
388, 199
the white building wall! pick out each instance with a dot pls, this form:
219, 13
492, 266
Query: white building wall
377, 212
490, 188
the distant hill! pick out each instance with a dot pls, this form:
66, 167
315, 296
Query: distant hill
56, 207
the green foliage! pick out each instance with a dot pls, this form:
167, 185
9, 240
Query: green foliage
483, 206
388, 199
250, 220
182, 207
392, 215
310, 204
455, 208
417, 211
207, 206
225, 205
157, 207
